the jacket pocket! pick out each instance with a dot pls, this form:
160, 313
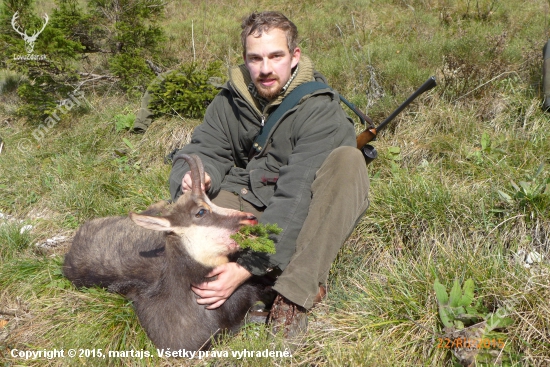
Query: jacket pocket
262, 184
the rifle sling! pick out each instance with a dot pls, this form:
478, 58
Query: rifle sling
289, 102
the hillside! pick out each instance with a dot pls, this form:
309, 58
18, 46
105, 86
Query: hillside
461, 189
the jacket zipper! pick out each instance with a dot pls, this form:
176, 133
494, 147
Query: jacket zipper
263, 120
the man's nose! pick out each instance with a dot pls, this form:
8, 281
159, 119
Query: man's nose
265, 68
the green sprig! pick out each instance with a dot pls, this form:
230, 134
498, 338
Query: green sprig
256, 237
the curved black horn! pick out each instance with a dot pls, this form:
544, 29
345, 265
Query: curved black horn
201, 169
197, 171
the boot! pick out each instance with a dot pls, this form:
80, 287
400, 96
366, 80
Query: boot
290, 319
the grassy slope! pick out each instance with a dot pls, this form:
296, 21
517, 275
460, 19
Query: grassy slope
436, 210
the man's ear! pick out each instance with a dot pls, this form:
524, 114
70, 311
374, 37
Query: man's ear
296, 57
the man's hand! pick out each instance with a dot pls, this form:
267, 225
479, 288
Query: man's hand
187, 183
215, 293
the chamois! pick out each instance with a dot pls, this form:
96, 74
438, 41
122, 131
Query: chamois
152, 258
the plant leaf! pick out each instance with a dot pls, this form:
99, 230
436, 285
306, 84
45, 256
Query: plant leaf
468, 293
495, 321
485, 141
526, 186
505, 196
539, 170
444, 316
128, 143
456, 294
441, 293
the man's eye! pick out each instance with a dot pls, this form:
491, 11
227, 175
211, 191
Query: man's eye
201, 213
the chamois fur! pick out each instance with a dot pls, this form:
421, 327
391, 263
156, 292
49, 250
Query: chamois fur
153, 258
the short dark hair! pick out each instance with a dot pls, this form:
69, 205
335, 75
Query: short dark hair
257, 23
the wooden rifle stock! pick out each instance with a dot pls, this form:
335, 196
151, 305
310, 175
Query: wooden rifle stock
366, 137
370, 133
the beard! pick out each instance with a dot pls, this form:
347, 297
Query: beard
271, 92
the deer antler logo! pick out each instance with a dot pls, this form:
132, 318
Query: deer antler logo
29, 40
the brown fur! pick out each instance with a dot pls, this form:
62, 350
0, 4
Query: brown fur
149, 259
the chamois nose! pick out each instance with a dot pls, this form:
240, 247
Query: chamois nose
250, 220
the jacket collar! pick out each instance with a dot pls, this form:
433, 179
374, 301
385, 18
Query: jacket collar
239, 79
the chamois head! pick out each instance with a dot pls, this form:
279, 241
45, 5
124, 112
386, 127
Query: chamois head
204, 228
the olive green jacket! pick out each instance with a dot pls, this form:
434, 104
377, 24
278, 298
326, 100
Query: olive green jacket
279, 178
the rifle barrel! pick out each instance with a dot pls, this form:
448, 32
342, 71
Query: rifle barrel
429, 84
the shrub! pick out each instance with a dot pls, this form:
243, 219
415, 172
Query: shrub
186, 91
126, 31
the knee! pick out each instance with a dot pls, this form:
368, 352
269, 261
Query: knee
347, 153
347, 161
344, 170
351, 169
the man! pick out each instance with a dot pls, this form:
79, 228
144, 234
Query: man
309, 179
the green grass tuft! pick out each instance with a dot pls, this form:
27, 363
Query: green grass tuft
14, 238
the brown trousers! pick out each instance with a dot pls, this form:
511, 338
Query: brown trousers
339, 199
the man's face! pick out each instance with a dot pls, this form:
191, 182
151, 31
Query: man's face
269, 62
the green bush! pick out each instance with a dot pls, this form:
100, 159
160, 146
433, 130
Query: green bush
125, 31
186, 91
48, 77
132, 71
130, 35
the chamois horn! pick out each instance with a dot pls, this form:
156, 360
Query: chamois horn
197, 171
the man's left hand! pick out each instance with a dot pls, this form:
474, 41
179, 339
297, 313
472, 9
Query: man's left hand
229, 277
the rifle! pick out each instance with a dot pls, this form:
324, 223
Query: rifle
369, 152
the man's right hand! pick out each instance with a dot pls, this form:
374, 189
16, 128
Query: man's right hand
187, 183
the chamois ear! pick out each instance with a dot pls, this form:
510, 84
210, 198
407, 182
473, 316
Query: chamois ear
154, 223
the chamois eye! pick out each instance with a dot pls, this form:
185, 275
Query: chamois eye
201, 213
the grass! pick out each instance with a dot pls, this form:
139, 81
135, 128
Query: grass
436, 205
